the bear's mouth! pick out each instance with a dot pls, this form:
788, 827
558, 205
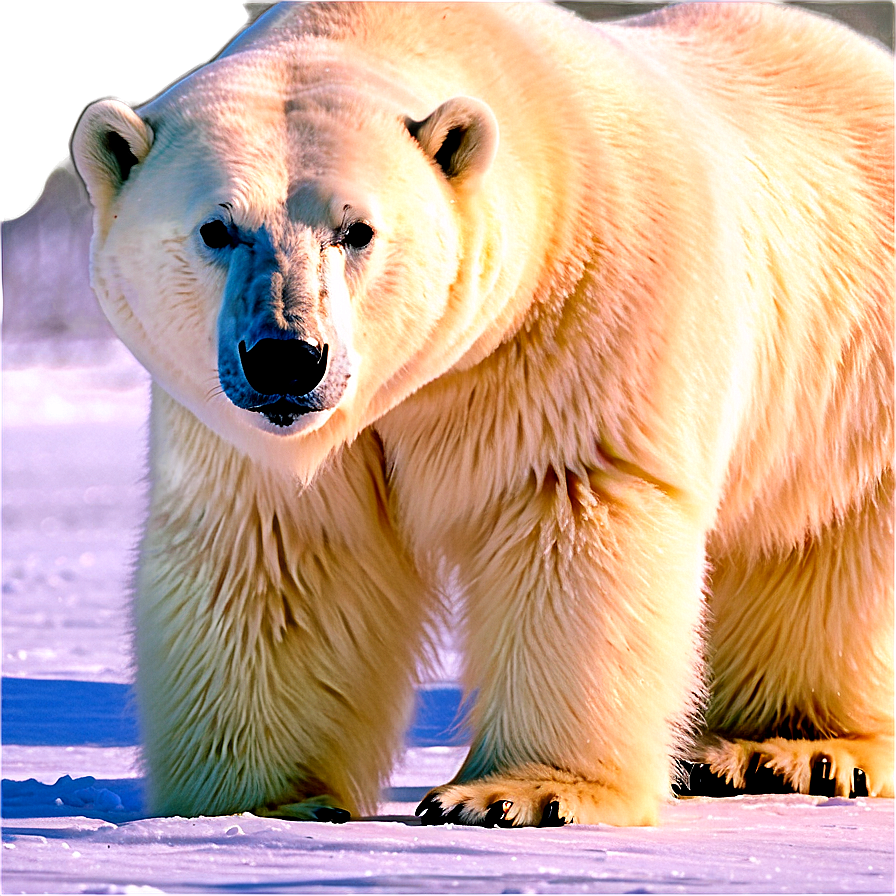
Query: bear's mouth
282, 412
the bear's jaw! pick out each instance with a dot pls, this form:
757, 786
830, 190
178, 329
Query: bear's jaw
283, 413
283, 418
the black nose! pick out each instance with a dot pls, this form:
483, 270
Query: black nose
283, 366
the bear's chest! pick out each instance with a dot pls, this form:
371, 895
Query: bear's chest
458, 451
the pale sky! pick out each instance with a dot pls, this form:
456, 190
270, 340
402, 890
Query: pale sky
55, 58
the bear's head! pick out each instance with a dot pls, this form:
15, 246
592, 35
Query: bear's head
278, 244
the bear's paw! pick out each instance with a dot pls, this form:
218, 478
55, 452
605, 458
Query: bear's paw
316, 808
536, 795
840, 766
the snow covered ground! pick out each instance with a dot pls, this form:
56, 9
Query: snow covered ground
73, 820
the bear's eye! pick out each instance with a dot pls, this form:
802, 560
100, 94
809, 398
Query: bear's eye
216, 235
356, 236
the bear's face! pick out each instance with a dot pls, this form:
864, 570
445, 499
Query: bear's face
278, 255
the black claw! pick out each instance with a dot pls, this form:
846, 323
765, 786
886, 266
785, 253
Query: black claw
859, 783
425, 805
496, 816
699, 780
821, 783
331, 813
759, 778
452, 816
432, 816
430, 811
550, 818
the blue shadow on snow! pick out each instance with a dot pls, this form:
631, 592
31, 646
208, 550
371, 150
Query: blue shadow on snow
50, 713
53, 713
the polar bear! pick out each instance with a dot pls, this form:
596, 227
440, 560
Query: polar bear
594, 321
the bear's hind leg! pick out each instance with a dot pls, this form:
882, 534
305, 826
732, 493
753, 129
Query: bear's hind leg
802, 646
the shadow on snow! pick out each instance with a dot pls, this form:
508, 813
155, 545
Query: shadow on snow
62, 713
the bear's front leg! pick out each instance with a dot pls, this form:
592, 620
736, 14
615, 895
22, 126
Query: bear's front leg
276, 631
585, 597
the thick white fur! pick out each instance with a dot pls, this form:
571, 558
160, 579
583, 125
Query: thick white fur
644, 357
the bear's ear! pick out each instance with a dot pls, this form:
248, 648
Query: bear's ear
461, 137
109, 140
